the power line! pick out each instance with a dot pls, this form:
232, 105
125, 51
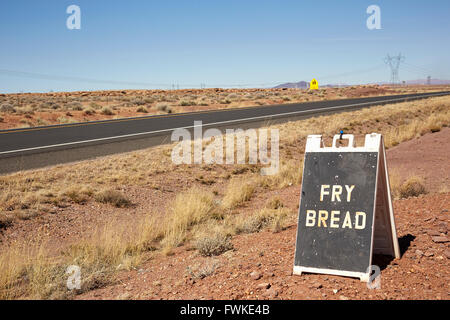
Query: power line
173, 86
394, 64
32, 75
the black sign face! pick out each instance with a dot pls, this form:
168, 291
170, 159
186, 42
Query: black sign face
336, 211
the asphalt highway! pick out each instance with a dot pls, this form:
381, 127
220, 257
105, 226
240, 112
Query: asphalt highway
37, 140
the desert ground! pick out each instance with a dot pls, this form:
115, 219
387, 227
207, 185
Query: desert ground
40, 109
141, 227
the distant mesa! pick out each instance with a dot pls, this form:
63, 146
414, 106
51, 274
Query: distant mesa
305, 85
295, 85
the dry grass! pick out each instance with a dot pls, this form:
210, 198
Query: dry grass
274, 203
31, 270
35, 271
114, 197
107, 111
100, 104
213, 242
290, 173
413, 187
274, 219
395, 183
237, 192
202, 270
397, 122
187, 210
39, 189
416, 128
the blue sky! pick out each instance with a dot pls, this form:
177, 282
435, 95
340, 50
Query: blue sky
154, 44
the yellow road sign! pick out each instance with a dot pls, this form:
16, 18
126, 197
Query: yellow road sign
314, 85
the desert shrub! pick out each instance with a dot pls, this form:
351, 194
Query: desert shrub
138, 101
142, 109
213, 244
187, 103
201, 271
78, 195
89, 111
107, 111
5, 220
95, 106
162, 106
274, 203
75, 105
41, 122
265, 218
248, 224
113, 197
412, 187
6, 107
65, 120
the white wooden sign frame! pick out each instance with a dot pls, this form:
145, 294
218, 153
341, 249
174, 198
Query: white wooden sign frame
384, 236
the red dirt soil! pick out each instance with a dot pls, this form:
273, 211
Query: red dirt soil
422, 272
427, 157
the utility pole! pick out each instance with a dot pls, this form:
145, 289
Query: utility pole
394, 63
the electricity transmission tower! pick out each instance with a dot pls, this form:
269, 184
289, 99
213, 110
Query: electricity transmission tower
394, 64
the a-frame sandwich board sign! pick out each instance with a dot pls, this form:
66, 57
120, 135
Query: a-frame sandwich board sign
345, 213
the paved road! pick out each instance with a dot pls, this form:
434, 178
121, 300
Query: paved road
39, 140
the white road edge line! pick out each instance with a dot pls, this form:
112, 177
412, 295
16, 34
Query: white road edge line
204, 125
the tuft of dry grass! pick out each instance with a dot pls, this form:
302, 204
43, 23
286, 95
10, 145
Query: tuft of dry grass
237, 192
213, 243
395, 183
274, 203
202, 270
31, 270
290, 173
142, 109
77, 194
89, 111
114, 197
187, 210
413, 187
27, 269
274, 219
107, 111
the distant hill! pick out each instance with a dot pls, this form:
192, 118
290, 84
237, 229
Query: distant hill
296, 85
305, 84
